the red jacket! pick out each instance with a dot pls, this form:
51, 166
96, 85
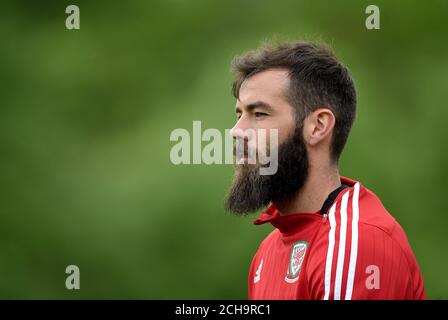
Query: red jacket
351, 249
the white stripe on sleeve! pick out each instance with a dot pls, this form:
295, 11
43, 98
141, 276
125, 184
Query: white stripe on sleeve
354, 245
328, 264
341, 251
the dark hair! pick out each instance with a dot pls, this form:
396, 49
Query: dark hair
317, 79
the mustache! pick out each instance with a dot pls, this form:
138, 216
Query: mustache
245, 155
248, 156
246, 150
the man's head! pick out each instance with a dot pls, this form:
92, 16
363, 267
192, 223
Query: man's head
304, 92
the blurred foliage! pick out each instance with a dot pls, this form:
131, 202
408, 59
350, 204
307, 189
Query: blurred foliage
85, 118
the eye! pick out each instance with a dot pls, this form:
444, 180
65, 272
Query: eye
238, 116
260, 114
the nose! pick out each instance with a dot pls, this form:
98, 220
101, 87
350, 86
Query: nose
239, 129
245, 137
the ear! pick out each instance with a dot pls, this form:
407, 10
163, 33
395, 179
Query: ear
318, 126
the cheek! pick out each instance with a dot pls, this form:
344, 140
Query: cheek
286, 128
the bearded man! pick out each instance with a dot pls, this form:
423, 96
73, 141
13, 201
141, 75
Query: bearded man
332, 237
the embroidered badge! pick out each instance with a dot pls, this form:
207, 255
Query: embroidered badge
295, 261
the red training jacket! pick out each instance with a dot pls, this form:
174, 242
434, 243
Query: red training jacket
351, 249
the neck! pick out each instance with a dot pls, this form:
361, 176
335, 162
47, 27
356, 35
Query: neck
310, 198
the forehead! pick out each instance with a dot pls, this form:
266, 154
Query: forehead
269, 86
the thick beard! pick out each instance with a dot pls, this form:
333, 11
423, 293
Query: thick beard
251, 191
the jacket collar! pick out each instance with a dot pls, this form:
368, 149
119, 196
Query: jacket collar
288, 222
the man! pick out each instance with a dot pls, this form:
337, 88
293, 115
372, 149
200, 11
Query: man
333, 239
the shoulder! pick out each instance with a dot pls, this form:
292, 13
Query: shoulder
361, 237
373, 213
358, 223
377, 225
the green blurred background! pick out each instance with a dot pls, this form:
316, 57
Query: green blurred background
85, 119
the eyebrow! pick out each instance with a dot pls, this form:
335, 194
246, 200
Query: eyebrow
255, 105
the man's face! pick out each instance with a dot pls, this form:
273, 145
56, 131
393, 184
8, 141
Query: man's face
262, 104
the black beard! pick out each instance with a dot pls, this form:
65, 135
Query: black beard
251, 191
